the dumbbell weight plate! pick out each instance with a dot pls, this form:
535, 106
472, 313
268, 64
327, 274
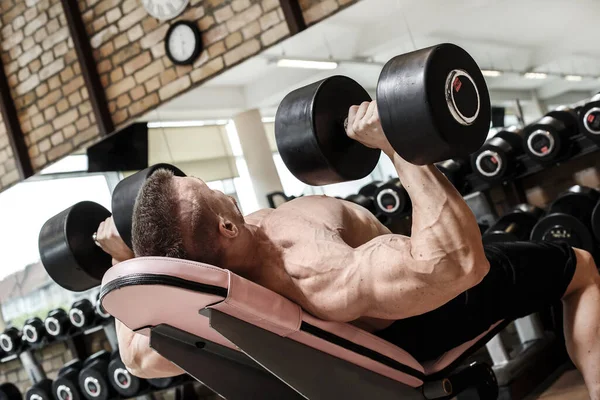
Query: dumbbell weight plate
391, 198
125, 194
66, 386
67, 249
434, 104
57, 322
10, 340
369, 189
513, 226
40, 391
589, 118
81, 313
93, 379
8, 391
560, 227
33, 330
310, 133
162, 383
121, 380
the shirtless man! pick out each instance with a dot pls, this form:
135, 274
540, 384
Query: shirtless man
426, 293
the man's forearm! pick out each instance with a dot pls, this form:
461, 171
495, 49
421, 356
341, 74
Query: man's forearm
443, 225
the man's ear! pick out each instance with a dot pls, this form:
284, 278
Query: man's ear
228, 228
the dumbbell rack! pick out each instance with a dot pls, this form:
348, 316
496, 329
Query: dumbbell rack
582, 146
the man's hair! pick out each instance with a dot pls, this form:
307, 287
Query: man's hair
158, 230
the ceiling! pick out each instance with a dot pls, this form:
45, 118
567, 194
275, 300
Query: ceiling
550, 36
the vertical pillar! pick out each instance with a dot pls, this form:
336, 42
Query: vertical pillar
257, 153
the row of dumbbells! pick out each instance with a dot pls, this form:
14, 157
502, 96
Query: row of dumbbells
389, 200
573, 217
546, 141
57, 325
102, 376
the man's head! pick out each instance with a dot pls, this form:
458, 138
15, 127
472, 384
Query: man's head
182, 217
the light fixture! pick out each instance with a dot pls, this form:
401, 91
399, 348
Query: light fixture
535, 75
308, 64
493, 73
574, 78
186, 124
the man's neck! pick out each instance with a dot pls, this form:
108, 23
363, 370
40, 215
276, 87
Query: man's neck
243, 256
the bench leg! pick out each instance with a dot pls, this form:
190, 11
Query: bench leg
315, 374
225, 371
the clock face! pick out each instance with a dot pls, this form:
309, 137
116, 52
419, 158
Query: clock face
165, 9
182, 43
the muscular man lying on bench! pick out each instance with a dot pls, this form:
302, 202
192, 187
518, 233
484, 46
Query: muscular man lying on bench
427, 294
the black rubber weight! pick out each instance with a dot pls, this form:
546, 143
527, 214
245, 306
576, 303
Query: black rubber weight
310, 134
9, 391
415, 113
40, 391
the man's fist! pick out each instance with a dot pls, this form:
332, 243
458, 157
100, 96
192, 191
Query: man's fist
109, 240
364, 126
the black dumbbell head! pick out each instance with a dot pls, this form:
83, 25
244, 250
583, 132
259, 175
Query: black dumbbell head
57, 322
93, 379
67, 248
125, 194
34, 330
369, 189
559, 227
10, 340
163, 383
100, 311
82, 313
589, 118
40, 391
434, 104
121, 379
578, 201
9, 391
392, 199
513, 226
311, 137
66, 386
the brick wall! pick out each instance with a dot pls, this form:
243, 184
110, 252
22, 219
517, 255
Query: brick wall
8, 170
45, 76
130, 50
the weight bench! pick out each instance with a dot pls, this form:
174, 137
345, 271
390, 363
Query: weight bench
237, 337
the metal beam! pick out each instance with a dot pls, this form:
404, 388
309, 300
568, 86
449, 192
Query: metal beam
293, 16
13, 128
88, 66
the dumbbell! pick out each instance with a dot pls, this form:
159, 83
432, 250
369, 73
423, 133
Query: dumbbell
11, 341
101, 313
34, 330
549, 139
363, 201
497, 158
121, 380
40, 391
9, 391
164, 383
82, 314
589, 119
569, 219
93, 378
57, 323
433, 105
455, 171
66, 243
66, 386
392, 199
514, 226
369, 189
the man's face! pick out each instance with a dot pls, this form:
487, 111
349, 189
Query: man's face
193, 193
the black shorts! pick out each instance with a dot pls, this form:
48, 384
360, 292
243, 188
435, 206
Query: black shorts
524, 278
